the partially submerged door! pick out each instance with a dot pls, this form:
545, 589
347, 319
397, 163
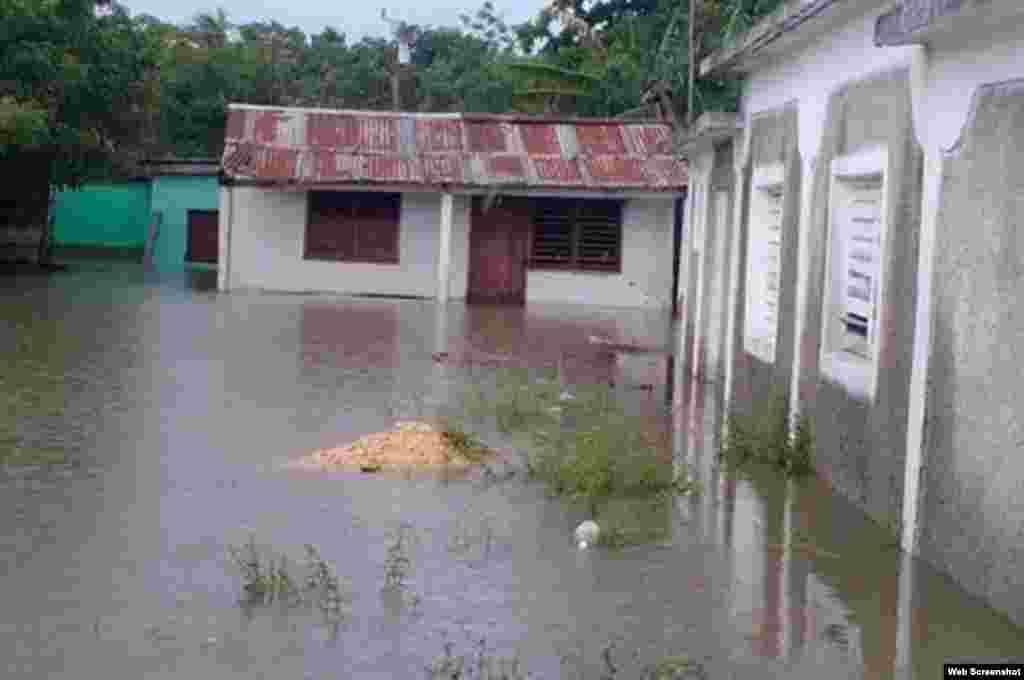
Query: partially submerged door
203, 232
498, 238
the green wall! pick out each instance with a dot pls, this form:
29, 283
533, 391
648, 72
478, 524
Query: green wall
118, 215
174, 197
110, 215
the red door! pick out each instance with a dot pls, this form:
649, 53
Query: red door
203, 232
498, 240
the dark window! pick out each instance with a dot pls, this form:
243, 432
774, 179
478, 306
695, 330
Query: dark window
353, 227
577, 235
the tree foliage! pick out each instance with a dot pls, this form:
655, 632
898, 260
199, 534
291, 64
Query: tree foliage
62, 68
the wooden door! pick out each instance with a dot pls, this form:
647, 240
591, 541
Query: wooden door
203, 233
498, 240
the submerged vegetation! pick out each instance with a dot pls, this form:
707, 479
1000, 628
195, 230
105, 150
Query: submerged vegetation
269, 577
583, 445
762, 435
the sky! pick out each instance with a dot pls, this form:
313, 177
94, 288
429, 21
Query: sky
354, 18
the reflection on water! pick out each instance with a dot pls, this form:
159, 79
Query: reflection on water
176, 408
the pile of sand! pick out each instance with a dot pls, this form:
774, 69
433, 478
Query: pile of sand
409, 444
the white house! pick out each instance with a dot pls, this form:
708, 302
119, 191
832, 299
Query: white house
505, 209
857, 243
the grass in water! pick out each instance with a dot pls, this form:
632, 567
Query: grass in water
270, 577
762, 435
580, 442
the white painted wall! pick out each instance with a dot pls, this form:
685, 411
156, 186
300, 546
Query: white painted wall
458, 273
267, 233
646, 277
811, 76
264, 231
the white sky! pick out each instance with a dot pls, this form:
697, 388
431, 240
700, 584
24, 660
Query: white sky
353, 18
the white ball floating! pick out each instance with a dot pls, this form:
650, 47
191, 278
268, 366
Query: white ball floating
587, 534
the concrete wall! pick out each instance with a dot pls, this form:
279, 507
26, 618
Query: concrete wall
772, 142
646, 277
108, 215
267, 235
861, 439
972, 511
267, 231
174, 197
935, 439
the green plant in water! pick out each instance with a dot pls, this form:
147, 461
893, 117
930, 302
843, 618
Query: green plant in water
397, 563
267, 578
675, 668
763, 436
485, 666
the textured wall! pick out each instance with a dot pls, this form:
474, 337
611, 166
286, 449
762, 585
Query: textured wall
646, 278
972, 513
860, 441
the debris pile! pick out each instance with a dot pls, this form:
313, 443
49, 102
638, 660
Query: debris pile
409, 444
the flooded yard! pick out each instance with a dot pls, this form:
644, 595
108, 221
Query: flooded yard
148, 424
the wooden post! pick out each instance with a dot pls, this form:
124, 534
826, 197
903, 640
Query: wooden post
154, 230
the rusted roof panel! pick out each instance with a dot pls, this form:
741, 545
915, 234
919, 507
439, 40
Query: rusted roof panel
433, 135
600, 140
540, 139
486, 137
309, 147
365, 134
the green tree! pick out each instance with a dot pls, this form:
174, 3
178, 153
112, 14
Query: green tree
62, 68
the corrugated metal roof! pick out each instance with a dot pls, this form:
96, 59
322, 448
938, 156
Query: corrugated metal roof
311, 147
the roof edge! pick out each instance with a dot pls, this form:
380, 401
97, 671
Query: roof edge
468, 117
785, 20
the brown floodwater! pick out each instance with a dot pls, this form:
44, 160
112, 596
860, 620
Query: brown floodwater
175, 409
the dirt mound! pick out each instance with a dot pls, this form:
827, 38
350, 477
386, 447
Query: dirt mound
409, 444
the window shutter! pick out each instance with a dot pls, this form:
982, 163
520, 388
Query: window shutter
377, 218
599, 225
353, 226
553, 234
861, 249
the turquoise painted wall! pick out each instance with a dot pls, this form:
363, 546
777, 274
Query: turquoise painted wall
103, 215
174, 197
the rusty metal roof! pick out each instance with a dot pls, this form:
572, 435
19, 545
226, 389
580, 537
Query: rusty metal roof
310, 147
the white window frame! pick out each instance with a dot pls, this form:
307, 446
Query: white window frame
766, 194
856, 371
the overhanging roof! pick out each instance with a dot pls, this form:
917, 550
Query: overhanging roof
310, 147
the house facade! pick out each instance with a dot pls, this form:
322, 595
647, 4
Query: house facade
492, 209
855, 246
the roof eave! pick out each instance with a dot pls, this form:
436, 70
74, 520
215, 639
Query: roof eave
776, 32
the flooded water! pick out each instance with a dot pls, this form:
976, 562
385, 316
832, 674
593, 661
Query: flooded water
176, 409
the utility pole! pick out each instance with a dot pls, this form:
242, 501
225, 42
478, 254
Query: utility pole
405, 36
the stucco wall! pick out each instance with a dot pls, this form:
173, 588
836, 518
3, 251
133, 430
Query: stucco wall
268, 232
174, 197
268, 228
972, 512
646, 277
861, 440
773, 140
